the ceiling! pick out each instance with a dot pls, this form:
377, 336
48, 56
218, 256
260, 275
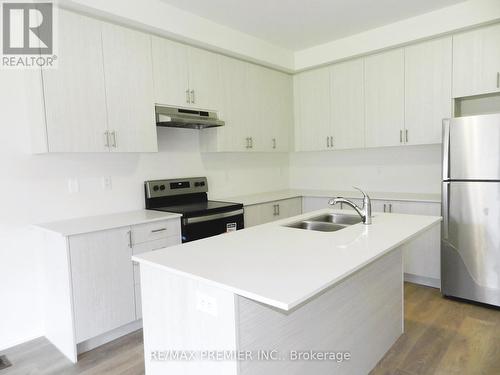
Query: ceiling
299, 24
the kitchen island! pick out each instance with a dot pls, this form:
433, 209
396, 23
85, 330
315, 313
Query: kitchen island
273, 299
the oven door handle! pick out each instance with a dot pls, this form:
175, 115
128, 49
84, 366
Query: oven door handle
200, 219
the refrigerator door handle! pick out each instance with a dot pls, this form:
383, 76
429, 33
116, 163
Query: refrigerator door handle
446, 149
446, 208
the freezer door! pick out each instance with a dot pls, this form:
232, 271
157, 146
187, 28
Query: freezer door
470, 248
472, 150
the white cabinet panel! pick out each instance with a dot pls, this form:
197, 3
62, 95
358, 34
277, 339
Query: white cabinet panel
476, 62
427, 90
171, 72
347, 105
384, 98
314, 203
103, 283
75, 102
204, 79
270, 211
129, 89
312, 110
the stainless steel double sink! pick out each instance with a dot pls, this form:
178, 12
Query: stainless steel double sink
326, 223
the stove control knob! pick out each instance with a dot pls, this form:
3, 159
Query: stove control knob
196, 184
156, 188
202, 183
162, 187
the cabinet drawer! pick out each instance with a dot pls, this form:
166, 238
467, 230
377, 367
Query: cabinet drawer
153, 231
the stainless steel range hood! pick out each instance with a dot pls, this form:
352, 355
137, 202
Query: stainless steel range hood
174, 117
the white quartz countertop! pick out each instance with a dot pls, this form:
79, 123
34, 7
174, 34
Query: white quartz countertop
251, 199
90, 224
282, 266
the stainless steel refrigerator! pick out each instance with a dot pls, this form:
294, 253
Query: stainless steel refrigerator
470, 246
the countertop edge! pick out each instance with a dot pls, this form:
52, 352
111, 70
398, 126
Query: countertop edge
278, 304
65, 233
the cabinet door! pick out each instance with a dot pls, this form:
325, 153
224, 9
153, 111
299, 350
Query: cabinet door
252, 215
232, 136
347, 105
282, 112
129, 89
75, 102
289, 207
476, 62
314, 203
384, 98
427, 90
204, 79
103, 282
170, 72
312, 110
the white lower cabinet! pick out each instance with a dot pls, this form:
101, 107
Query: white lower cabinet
266, 212
103, 282
93, 287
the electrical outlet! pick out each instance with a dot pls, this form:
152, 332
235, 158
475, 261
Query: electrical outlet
206, 304
107, 183
73, 185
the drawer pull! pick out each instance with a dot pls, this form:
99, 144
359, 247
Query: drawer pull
158, 230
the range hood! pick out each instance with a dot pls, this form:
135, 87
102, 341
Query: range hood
174, 117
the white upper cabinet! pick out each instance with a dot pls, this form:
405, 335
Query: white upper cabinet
384, 99
185, 76
347, 105
75, 101
476, 62
427, 90
129, 89
171, 72
312, 110
204, 79
256, 106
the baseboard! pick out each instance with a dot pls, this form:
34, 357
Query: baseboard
94, 342
423, 280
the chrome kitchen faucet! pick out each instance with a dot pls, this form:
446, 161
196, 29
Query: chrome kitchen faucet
365, 212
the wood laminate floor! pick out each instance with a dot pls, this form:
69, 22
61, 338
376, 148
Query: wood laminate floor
441, 336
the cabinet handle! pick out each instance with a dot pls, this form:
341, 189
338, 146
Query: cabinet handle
390, 207
187, 96
113, 136
331, 141
406, 135
274, 210
192, 97
247, 139
327, 142
278, 206
106, 138
129, 239
400, 136
498, 80
274, 143
158, 230
251, 142
384, 207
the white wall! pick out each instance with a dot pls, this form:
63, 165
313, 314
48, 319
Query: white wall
33, 188
414, 169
